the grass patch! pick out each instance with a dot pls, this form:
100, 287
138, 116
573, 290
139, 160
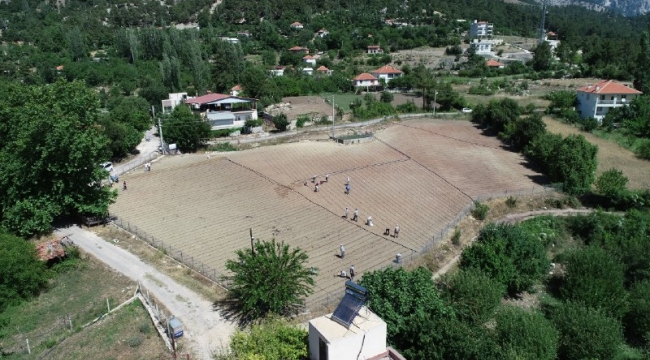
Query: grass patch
342, 100
79, 293
223, 147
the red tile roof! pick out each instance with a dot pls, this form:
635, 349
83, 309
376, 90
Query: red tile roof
493, 63
207, 98
279, 67
373, 46
322, 68
237, 88
298, 48
50, 250
387, 69
59, 68
296, 24
364, 76
308, 57
609, 87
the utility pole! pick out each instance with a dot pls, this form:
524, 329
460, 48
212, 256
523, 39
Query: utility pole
333, 117
435, 96
542, 23
162, 141
252, 241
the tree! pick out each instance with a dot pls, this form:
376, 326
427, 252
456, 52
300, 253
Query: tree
585, 333
641, 73
611, 183
509, 255
402, 298
637, 320
281, 122
122, 138
574, 164
50, 153
473, 295
386, 97
271, 279
596, 279
525, 334
228, 64
185, 129
133, 111
76, 45
542, 57
22, 274
271, 339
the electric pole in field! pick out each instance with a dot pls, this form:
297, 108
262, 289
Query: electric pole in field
162, 141
435, 97
333, 117
542, 23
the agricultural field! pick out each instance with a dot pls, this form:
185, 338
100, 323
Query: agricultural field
418, 174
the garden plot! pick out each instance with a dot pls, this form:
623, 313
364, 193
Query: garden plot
419, 175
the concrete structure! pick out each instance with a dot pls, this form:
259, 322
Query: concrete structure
375, 49
387, 73
277, 70
308, 59
365, 80
365, 339
480, 29
597, 99
174, 100
296, 25
224, 111
494, 64
482, 47
552, 39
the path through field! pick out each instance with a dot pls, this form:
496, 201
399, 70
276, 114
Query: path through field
206, 330
419, 174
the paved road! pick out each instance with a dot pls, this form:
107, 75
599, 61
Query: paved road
146, 150
205, 329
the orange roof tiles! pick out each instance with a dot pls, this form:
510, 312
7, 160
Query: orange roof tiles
236, 88
387, 69
322, 68
493, 63
364, 76
206, 98
609, 87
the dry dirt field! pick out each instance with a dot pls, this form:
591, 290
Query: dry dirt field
305, 105
610, 155
418, 174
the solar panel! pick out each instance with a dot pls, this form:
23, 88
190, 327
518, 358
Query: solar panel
355, 297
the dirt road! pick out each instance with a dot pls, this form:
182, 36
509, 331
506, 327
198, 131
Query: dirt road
205, 329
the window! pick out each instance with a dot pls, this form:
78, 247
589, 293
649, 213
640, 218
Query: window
599, 109
602, 97
623, 96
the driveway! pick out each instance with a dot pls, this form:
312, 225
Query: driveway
205, 329
148, 150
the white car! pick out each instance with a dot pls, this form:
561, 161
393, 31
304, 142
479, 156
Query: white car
466, 111
108, 166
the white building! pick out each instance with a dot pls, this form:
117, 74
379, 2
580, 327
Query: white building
308, 71
365, 339
322, 33
365, 80
296, 25
174, 100
480, 29
375, 49
235, 90
277, 70
387, 73
224, 111
308, 59
596, 100
552, 39
231, 40
482, 47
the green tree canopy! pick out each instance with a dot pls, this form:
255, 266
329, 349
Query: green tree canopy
270, 339
637, 320
611, 183
22, 274
473, 295
272, 279
542, 57
185, 129
50, 153
525, 334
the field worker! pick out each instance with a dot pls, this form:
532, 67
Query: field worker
313, 179
356, 215
351, 272
347, 182
347, 211
387, 232
327, 177
316, 188
369, 221
124, 185
347, 189
342, 248
396, 231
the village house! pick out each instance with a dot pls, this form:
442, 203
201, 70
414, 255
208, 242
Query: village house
308, 71
494, 64
482, 47
375, 49
244, 33
223, 111
277, 70
296, 25
480, 29
365, 80
174, 100
322, 33
299, 49
387, 73
597, 99
308, 59
552, 39
235, 90
323, 70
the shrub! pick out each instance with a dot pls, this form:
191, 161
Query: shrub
611, 183
473, 295
589, 124
408, 107
271, 339
525, 334
253, 123
223, 132
281, 122
386, 97
135, 341
455, 238
511, 201
637, 320
643, 150
223, 147
480, 210
300, 122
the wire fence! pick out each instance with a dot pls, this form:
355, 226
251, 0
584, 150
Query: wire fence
122, 169
167, 249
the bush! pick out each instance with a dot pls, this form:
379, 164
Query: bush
271, 339
480, 210
223, 147
525, 334
511, 201
300, 122
135, 341
253, 123
386, 97
637, 320
586, 333
223, 132
643, 150
408, 107
281, 122
611, 183
473, 295
589, 124
455, 238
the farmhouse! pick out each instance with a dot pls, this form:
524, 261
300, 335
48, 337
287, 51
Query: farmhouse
552, 39
299, 49
323, 70
174, 100
308, 59
277, 70
235, 90
322, 33
375, 49
308, 71
365, 80
387, 73
494, 64
296, 25
224, 111
597, 99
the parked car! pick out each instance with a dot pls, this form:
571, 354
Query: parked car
467, 110
108, 166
